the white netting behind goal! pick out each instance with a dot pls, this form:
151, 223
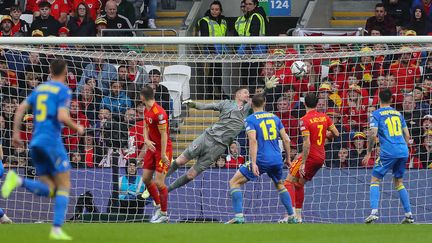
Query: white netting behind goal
106, 80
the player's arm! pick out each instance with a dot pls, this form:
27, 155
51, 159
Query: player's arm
216, 106
371, 140
306, 145
1, 153
148, 143
64, 117
286, 144
164, 141
334, 130
19, 114
253, 149
407, 135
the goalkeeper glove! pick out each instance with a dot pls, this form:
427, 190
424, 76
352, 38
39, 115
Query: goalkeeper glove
271, 82
189, 103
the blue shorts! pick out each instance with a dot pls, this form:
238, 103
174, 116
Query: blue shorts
275, 172
382, 166
49, 160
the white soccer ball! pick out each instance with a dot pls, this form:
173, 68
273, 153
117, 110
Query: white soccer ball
299, 69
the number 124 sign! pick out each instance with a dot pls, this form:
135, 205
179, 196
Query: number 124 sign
276, 8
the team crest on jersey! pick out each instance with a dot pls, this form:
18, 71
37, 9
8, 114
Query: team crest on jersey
56, 6
150, 120
90, 5
282, 76
119, 25
410, 71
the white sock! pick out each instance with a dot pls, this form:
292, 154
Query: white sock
374, 211
298, 213
408, 215
239, 215
56, 230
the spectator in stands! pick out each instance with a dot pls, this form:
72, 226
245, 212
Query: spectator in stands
82, 24
140, 110
9, 105
256, 25
32, 80
35, 65
213, 24
116, 21
76, 159
126, 9
234, 158
386, 23
135, 72
407, 75
11, 75
358, 152
6, 90
90, 101
131, 185
354, 110
399, 10
330, 98
20, 27
338, 75
343, 159
334, 144
88, 150
101, 24
117, 101
46, 22
366, 71
426, 6
240, 22
288, 121
27, 133
162, 95
102, 72
71, 138
130, 116
101, 133
220, 162
6, 26
412, 117
425, 151
418, 21
421, 103
376, 31
93, 8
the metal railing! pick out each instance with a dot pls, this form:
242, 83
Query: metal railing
141, 32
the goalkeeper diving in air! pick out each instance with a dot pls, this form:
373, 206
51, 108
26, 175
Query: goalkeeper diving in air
213, 142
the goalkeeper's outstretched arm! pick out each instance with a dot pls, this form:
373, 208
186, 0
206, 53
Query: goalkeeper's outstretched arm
216, 106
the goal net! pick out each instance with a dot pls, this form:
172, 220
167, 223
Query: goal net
106, 75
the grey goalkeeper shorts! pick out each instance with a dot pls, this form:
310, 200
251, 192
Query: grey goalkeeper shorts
206, 150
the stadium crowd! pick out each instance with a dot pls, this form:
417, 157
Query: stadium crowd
106, 98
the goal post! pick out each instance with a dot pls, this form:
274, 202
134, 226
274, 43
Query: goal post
106, 75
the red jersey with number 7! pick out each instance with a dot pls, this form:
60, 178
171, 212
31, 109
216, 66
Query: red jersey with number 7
156, 117
315, 125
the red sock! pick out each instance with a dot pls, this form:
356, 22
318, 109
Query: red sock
291, 190
299, 195
163, 192
152, 189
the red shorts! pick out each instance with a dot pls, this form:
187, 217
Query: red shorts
311, 168
153, 161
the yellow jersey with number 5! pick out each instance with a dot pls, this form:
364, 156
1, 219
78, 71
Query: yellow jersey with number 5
45, 100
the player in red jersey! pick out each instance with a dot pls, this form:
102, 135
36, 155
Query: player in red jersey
158, 153
313, 126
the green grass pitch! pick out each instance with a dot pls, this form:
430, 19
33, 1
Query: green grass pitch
207, 233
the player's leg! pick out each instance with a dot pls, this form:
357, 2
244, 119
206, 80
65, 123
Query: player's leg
162, 215
61, 201
177, 163
380, 169
398, 172
152, 189
208, 152
192, 151
161, 170
3, 217
275, 173
235, 183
